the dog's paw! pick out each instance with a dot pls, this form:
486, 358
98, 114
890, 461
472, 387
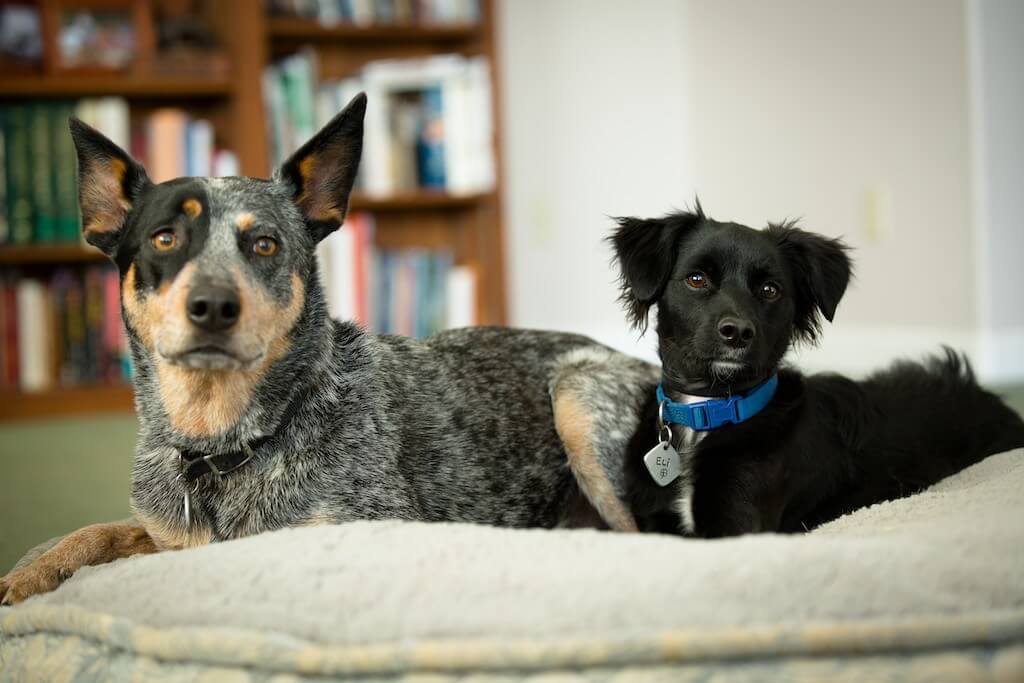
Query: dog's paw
38, 577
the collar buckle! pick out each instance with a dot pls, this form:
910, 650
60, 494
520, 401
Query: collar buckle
720, 413
210, 460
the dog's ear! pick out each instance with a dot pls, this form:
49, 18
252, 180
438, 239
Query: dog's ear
109, 182
820, 269
646, 250
322, 172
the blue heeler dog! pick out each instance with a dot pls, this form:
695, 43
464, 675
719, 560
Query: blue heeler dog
257, 411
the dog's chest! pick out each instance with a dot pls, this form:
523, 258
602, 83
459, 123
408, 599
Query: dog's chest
686, 442
179, 515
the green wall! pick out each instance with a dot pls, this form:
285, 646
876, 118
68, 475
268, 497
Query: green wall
59, 475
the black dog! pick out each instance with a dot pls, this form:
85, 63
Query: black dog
730, 302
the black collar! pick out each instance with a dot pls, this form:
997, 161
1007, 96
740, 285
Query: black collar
195, 464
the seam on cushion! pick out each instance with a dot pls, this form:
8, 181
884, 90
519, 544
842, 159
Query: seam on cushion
277, 652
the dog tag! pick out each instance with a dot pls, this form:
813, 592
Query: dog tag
663, 463
187, 509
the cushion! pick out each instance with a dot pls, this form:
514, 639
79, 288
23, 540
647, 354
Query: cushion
923, 588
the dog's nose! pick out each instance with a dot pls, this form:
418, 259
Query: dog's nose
736, 331
213, 308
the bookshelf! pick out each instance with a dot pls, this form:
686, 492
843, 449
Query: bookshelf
249, 39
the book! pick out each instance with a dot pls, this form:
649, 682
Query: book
32, 330
428, 121
461, 298
370, 12
198, 148
44, 227
65, 180
20, 213
5, 234
166, 130
9, 328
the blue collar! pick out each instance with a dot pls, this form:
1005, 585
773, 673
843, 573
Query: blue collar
713, 413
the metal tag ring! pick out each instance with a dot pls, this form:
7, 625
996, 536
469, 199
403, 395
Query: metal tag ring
195, 484
665, 434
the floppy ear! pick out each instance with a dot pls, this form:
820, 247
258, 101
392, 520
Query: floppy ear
109, 182
646, 250
820, 269
324, 169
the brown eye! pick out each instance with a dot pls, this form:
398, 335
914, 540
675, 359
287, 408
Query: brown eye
770, 291
165, 240
265, 246
697, 280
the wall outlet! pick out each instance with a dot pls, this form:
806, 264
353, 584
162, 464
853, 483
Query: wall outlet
877, 213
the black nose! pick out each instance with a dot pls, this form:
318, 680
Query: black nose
736, 331
213, 308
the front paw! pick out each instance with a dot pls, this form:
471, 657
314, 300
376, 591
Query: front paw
36, 578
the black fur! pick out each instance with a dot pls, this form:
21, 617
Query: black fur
825, 445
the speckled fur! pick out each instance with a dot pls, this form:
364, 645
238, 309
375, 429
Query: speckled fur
456, 427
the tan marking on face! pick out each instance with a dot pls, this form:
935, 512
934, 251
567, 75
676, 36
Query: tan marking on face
169, 537
192, 207
316, 200
92, 545
244, 221
102, 196
209, 402
575, 426
149, 314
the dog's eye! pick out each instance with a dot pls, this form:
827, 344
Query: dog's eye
770, 291
165, 240
697, 280
265, 246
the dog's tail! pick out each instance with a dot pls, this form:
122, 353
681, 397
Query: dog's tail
942, 418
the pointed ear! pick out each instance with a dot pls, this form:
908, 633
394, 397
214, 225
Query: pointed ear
322, 172
820, 269
109, 182
646, 250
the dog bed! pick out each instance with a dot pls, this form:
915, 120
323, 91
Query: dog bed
926, 588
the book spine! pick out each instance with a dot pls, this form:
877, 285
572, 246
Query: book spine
42, 171
10, 329
65, 177
113, 333
33, 313
4, 384
5, 234
165, 144
19, 177
96, 363
200, 148
461, 303
74, 324
430, 144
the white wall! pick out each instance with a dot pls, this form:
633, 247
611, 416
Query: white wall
996, 57
858, 117
594, 126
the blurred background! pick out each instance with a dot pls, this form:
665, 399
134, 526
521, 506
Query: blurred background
502, 136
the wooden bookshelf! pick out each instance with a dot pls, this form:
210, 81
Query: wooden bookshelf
37, 254
306, 30
128, 85
418, 201
471, 226
85, 400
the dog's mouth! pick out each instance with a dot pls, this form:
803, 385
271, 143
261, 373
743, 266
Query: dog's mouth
724, 369
208, 357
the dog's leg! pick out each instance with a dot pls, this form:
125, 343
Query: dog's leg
575, 428
96, 544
